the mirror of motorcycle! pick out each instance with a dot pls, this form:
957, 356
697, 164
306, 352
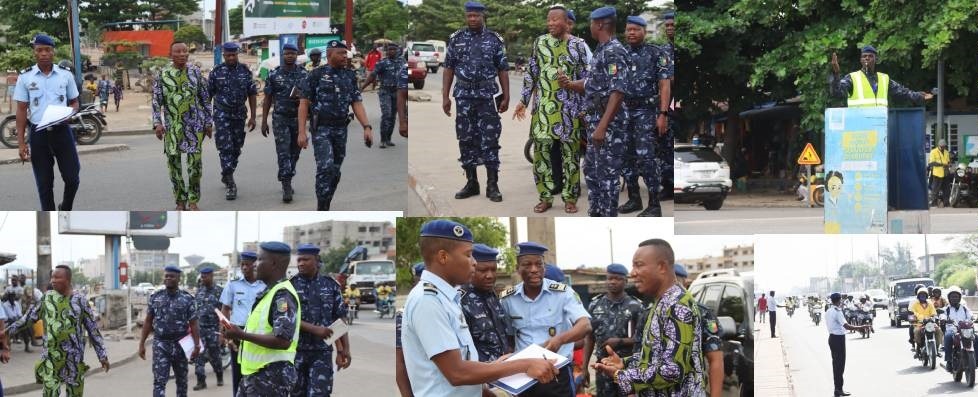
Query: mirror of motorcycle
728, 327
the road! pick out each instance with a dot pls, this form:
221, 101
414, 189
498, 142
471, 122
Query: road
137, 179
435, 168
740, 220
371, 372
879, 366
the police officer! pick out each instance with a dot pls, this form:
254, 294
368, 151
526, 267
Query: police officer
37, 87
322, 303
387, 70
646, 108
236, 302
282, 89
437, 345
327, 94
207, 300
315, 56
485, 316
614, 317
477, 56
664, 144
271, 336
604, 90
169, 313
230, 84
835, 320
546, 313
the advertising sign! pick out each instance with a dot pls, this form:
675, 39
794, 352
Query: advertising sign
856, 170
271, 17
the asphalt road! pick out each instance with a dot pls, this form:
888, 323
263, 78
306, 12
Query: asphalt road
738, 220
137, 179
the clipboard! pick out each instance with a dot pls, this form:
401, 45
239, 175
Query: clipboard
518, 383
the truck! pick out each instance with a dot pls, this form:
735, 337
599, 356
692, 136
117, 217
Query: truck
366, 275
901, 294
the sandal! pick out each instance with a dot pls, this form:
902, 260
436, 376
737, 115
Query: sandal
192, 207
181, 207
570, 208
542, 207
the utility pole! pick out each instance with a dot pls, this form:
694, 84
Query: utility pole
43, 275
939, 131
348, 23
219, 11
73, 27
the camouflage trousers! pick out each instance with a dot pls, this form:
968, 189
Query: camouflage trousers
286, 132
273, 380
388, 110
329, 144
211, 354
229, 137
602, 166
664, 155
543, 169
640, 149
166, 355
189, 193
477, 128
315, 373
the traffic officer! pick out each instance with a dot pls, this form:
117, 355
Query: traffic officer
387, 70
439, 354
835, 320
646, 107
236, 302
322, 303
604, 90
546, 313
868, 88
327, 94
230, 84
282, 89
271, 336
170, 312
208, 299
664, 141
477, 56
37, 87
485, 316
614, 317
315, 56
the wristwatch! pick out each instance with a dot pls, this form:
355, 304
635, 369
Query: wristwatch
664, 112
368, 126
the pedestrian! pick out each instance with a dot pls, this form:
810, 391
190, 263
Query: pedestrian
322, 303
939, 163
13, 311
327, 94
604, 90
315, 57
835, 320
664, 141
483, 312
208, 301
868, 88
772, 312
230, 84
181, 119
236, 303
5, 343
762, 307
104, 89
38, 87
67, 317
557, 111
373, 57
671, 360
387, 71
11, 84
440, 357
282, 88
646, 108
117, 94
271, 336
170, 313
477, 56
614, 318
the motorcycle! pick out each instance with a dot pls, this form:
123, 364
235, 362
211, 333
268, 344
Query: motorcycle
927, 351
791, 310
962, 352
87, 125
816, 191
850, 316
815, 313
865, 317
351, 313
964, 187
385, 308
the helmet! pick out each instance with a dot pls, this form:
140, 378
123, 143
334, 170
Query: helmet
922, 290
954, 290
936, 291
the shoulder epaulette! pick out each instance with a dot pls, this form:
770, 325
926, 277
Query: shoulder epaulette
429, 287
28, 69
558, 287
507, 292
462, 292
452, 36
499, 36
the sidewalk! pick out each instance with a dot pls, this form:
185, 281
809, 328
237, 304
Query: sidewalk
10, 156
771, 377
763, 199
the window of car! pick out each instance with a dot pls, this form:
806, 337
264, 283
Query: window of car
732, 303
423, 47
697, 155
711, 296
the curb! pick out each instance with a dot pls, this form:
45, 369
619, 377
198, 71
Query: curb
432, 205
29, 387
146, 131
787, 366
82, 151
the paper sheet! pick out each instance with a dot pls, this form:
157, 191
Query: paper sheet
339, 328
55, 114
518, 383
221, 318
187, 343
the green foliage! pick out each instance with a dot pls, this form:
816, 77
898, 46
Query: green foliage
951, 265
154, 63
485, 230
235, 21
963, 278
333, 259
190, 34
897, 261
154, 277
24, 16
16, 59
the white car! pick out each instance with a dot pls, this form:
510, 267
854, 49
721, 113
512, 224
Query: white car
701, 176
427, 53
878, 296
144, 288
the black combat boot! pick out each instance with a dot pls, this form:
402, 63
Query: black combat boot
492, 186
654, 209
634, 202
471, 187
201, 384
232, 189
287, 190
322, 205
220, 378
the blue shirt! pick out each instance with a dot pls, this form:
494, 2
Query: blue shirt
607, 71
553, 312
476, 57
834, 320
172, 313
647, 65
322, 303
433, 323
230, 87
240, 296
39, 90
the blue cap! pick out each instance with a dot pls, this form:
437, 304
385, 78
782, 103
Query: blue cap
603, 12
172, 269
248, 255
553, 272
669, 15
571, 16
484, 253
617, 268
290, 46
637, 20
335, 44
869, 48
207, 270
680, 270
277, 247
474, 6
530, 248
43, 39
230, 47
418, 268
835, 296
307, 249
444, 228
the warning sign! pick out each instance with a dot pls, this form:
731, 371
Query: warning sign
808, 156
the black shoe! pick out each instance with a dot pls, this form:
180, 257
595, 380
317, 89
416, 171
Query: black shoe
842, 393
634, 202
220, 378
383, 145
287, 191
492, 186
322, 205
654, 209
200, 386
471, 187
232, 191
389, 143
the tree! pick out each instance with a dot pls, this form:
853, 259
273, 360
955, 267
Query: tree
897, 261
334, 258
25, 16
190, 34
168, 9
96, 13
488, 231
951, 265
235, 19
963, 278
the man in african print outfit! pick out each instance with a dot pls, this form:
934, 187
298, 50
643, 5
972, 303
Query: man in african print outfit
556, 111
67, 317
181, 118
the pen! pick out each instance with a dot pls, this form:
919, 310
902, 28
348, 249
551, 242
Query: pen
555, 374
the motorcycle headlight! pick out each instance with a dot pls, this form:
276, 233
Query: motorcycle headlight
968, 333
930, 327
961, 173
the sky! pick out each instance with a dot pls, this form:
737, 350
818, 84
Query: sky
208, 233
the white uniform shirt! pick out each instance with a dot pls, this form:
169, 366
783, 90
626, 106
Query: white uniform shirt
960, 314
834, 320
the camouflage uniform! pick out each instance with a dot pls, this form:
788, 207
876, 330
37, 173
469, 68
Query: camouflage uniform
649, 64
611, 319
208, 299
172, 314
276, 378
322, 303
608, 72
230, 86
487, 323
664, 144
331, 92
388, 71
285, 125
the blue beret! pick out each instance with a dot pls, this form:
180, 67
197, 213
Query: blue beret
207, 270
307, 249
617, 268
637, 20
277, 247
248, 255
680, 270
869, 48
335, 44
474, 6
484, 253
43, 39
230, 47
603, 12
290, 46
835, 296
172, 269
553, 272
418, 268
530, 248
669, 15
444, 228
570, 15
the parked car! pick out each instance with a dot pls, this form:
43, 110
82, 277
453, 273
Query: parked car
144, 288
427, 53
730, 296
901, 294
416, 72
701, 176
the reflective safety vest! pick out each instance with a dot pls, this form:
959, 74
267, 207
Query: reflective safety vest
862, 94
254, 357
687, 336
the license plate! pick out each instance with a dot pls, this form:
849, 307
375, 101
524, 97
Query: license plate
708, 189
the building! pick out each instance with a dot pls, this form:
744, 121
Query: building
740, 258
376, 236
93, 267
927, 263
144, 261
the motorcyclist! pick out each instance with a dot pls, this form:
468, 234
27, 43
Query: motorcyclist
956, 311
913, 345
384, 294
352, 296
865, 305
936, 298
922, 309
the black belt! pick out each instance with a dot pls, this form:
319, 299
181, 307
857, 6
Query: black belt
170, 337
33, 127
285, 113
388, 87
475, 84
639, 103
227, 109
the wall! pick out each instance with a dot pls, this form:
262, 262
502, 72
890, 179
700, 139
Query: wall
159, 40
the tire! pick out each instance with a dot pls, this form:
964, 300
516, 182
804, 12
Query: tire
713, 205
419, 84
93, 131
970, 373
898, 323
528, 151
955, 195
932, 351
818, 196
8, 133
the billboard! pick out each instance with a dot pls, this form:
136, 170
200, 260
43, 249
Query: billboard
270, 17
120, 223
855, 170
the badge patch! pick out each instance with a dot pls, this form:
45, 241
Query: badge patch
458, 231
282, 304
712, 326
552, 331
613, 69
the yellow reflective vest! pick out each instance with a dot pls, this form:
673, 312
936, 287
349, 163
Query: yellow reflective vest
862, 94
254, 357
